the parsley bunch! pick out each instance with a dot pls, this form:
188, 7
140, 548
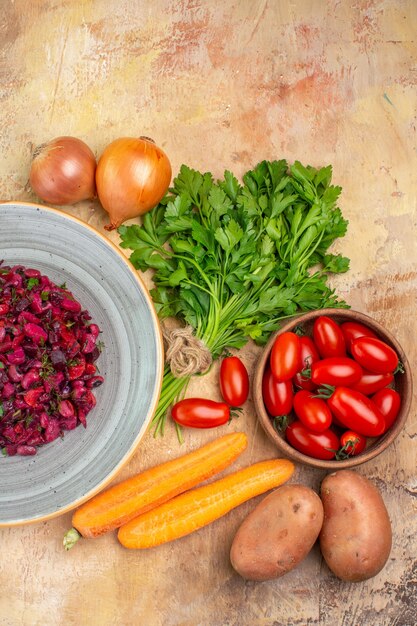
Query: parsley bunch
233, 260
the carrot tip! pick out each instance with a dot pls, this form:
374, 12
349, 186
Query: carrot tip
71, 538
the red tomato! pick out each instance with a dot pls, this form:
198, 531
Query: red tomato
356, 412
285, 356
371, 383
374, 355
352, 330
352, 444
388, 402
328, 337
312, 412
336, 371
309, 355
200, 413
234, 381
317, 445
277, 396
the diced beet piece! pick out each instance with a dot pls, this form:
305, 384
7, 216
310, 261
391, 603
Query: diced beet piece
70, 305
35, 332
30, 378
69, 423
9, 433
44, 419
17, 357
5, 345
58, 359
94, 382
30, 272
18, 340
89, 344
35, 439
23, 304
36, 303
8, 390
66, 408
25, 450
94, 330
27, 316
14, 374
81, 413
52, 430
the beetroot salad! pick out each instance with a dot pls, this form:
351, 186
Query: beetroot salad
48, 350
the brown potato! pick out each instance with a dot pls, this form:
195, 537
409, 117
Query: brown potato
356, 536
278, 533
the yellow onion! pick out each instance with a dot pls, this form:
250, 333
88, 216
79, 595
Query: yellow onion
63, 171
132, 176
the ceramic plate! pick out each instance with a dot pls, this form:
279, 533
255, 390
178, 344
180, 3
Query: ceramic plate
70, 470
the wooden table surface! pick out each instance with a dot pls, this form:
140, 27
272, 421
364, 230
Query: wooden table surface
223, 85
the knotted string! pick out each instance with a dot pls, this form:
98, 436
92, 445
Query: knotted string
185, 353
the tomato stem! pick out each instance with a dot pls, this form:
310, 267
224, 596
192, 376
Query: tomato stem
280, 423
325, 391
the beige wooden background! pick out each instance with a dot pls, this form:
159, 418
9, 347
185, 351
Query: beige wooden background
222, 85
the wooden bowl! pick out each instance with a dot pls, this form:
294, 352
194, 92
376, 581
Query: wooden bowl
402, 383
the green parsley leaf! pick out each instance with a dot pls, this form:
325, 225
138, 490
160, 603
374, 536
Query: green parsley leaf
32, 282
232, 260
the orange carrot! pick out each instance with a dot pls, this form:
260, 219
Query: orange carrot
138, 494
201, 506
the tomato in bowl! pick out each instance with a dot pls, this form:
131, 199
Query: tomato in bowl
345, 409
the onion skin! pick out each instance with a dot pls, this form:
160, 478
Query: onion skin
132, 176
63, 171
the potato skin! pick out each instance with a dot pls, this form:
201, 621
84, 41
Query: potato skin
278, 533
356, 536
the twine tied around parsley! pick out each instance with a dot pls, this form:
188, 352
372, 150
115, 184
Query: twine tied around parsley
185, 353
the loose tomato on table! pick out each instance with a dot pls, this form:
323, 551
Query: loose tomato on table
200, 413
285, 358
352, 444
277, 396
328, 337
371, 383
322, 445
388, 402
356, 411
336, 371
312, 412
352, 330
374, 355
309, 355
234, 381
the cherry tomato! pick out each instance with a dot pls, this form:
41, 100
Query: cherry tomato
234, 381
374, 355
357, 412
200, 413
352, 330
309, 355
317, 445
338, 370
277, 396
285, 356
388, 402
328, 337
312, 412
371, 383
352, 444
